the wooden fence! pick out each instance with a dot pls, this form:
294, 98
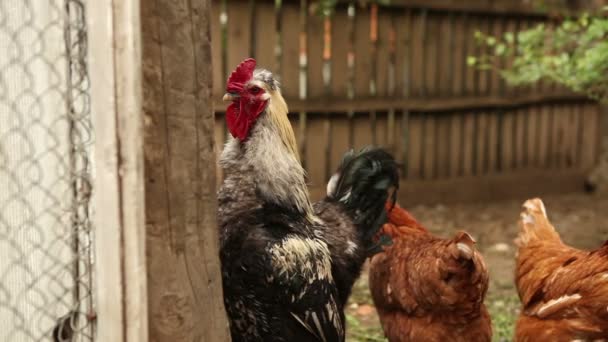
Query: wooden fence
398, 77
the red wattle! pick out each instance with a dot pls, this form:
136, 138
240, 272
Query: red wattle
241, 116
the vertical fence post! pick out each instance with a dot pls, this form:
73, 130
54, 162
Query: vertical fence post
114, 51
185, 298
171, 290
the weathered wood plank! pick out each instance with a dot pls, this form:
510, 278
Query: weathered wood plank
289, 73
481, 143
456, 142
544, 134
314, 56
316, 138
590, 141
414, 161
468, 146
520, 138
264, 34
442, 159
180, 202
429, 134
216, 37
493, 138
437, 104
503, 7
239, 44
363, 61
507, 141
532, 136
492, 187
120, 271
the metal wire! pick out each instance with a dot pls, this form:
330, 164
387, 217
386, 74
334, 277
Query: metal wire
46, 236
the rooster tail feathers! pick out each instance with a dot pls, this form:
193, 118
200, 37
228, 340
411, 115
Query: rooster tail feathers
363, 185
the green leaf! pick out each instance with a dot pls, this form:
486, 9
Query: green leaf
500, 49
471, 60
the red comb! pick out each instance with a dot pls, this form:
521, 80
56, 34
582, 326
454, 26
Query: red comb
240, 76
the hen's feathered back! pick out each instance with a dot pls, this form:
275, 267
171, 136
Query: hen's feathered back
427, 288
564, 291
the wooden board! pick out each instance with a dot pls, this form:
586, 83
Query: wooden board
456, 144
516, 185
481, 143
430, 139
415, 147
216, 53
590, 141
557, 143
459, 47
497, 30
442, 146
339, 52
315, 56
470, 46
507, 141
445, 55
532, 136
316, 142
544, 140
362, 53
340, 143
265, 36
403, 53
520, 138
239, 26
493, 138
383, 57
431, 55
181, 233
468, 146
290, 70
418, 53
121, 291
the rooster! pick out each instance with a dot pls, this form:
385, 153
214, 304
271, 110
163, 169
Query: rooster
564, 291
429, 289
288, 265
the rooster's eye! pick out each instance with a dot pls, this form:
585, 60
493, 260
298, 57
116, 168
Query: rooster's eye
255, 90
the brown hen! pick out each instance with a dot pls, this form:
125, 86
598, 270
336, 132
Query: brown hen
564, 291
427, 288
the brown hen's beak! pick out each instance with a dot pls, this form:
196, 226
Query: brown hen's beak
229, 97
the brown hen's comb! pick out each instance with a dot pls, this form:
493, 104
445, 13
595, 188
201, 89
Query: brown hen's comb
241, 75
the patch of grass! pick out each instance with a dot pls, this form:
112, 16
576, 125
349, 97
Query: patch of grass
358, 331
504, 311
360, 293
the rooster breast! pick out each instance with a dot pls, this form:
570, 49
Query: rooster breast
277, 279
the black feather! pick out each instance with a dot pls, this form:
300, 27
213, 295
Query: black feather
365, 180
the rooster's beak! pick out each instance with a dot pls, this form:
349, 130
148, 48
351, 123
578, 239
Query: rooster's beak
229, 97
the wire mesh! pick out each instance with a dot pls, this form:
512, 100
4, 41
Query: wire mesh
46, 235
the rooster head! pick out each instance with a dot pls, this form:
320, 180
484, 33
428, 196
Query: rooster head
249, 91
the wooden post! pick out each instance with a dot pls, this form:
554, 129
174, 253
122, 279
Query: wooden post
120, 265
155, 172
185, 300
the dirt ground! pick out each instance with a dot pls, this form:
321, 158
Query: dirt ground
579, 218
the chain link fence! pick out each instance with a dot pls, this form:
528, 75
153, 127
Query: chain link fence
46, 237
